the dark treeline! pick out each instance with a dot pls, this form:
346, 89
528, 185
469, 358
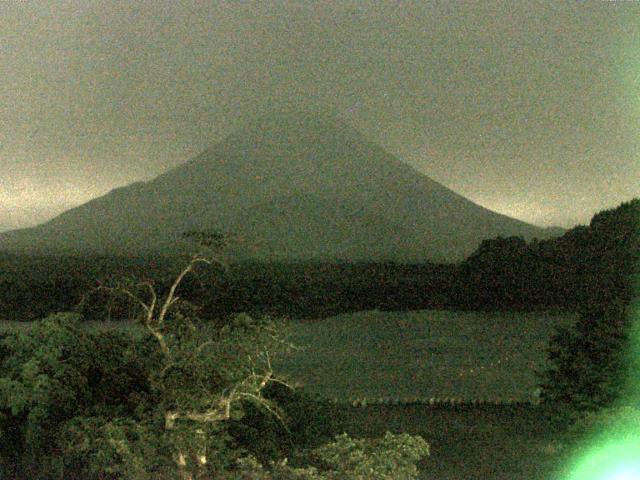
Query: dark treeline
34, 287
587, 265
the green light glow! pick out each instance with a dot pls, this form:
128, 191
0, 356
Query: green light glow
614, 460
614, 452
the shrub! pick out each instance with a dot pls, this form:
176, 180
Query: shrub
393, 457
56, 372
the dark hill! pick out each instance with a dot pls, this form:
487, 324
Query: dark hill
299, 186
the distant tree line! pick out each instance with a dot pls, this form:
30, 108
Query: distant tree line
588, 265
34, 288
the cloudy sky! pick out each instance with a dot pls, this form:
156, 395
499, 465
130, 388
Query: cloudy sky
530, 108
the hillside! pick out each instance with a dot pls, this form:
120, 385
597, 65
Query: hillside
295, 186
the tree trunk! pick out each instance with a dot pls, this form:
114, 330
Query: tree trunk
182, 467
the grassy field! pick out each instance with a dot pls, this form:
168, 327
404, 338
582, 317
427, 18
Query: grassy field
425, 354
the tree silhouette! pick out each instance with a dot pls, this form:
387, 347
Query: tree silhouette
589, 361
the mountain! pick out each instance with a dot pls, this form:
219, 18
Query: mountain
295, 186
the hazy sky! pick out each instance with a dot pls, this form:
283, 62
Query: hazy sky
529, 108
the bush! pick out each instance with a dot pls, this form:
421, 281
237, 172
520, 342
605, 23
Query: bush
56, 372
393, 457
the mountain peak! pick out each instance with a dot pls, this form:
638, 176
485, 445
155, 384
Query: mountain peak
290, 119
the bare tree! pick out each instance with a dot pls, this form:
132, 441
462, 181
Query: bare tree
204, 373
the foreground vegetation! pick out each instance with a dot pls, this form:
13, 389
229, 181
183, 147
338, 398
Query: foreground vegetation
188, 399
77, 404
80, 405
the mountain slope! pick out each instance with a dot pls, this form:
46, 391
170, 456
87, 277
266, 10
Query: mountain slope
297, 186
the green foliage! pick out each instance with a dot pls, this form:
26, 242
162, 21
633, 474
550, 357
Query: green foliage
302, 424
585, 267
81, 405
112, 405
56, 372
585, 263
392, 457
300, 290
590, 361
95, 447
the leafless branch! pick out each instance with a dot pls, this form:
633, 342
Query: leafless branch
171, 299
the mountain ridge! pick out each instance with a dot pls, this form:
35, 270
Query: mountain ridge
281, 181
